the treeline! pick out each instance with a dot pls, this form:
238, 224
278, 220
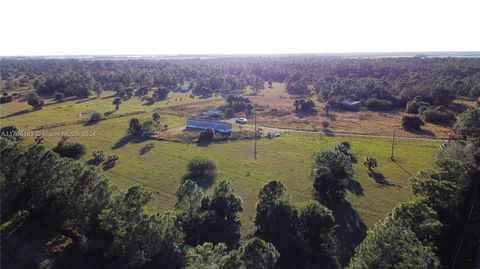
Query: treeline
398, 80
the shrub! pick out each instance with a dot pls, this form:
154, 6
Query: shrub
414, 105
5, 99
201, 170
378, 104
111, 160
206, 135
98, 156
411, 122
325, 124
70, 150
95, 117
437, 115
10, 131
370, 162
229, 112
156, 117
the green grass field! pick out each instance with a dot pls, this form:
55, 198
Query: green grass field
288, 158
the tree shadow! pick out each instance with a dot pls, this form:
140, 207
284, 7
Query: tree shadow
354, 187
18, 113
309, 113
146, 148
420, 131
380, 179
108, 113
204, 143
350, 229
129, 138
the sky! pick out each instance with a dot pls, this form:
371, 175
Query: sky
106, 27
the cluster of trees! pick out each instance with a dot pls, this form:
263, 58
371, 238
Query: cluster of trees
78, 83
136, 127
302, 235
35, 101
239, 103
303, 105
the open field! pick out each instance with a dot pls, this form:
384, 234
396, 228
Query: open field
287, 158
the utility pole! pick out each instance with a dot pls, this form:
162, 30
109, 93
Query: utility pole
255, 137
393, 145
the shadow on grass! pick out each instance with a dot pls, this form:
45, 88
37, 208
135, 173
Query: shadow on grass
128, 139
380, 179
354, 187
18, 113
350, 229
309, 113
420, 132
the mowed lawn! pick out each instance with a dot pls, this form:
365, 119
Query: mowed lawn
288, 158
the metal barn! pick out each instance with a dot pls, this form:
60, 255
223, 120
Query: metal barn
217, 126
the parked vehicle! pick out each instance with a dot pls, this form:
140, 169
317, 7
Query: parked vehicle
241, 121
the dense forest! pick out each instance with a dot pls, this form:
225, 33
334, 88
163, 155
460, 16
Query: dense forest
435, 80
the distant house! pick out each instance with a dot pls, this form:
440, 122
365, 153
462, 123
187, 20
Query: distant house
350, 104
217, 126
184, 88
212, 113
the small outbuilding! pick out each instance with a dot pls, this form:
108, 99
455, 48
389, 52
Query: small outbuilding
350, 104
217, 126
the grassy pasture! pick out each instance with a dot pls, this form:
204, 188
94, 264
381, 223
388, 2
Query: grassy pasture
287, 158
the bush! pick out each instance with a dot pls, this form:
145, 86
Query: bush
156, 117
325, 124
437, 115
229, 112
95, 117
206, 135
5, 99
411, 122
414, 105
201, 170
98, 156
70, 150
378, 104
10, 131
370, 162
